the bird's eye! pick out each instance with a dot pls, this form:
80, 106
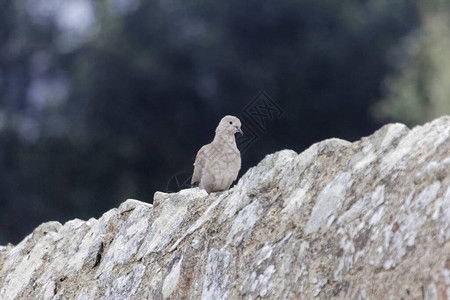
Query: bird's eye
231, 122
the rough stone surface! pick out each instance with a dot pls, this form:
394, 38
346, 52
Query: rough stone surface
362, 220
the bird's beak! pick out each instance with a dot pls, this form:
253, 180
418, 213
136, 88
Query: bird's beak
240, 130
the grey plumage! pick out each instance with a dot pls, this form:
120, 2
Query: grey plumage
217, 164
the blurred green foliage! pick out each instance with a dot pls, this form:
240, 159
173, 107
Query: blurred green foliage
106, 100
419, 89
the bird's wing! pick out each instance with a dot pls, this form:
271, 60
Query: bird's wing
198, 166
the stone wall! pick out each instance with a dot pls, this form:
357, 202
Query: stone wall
362, 220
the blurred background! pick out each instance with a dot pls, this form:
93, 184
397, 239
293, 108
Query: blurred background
106, 100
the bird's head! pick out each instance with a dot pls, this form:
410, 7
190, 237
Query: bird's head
229, 124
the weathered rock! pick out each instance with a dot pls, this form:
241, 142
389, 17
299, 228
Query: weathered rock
341, 220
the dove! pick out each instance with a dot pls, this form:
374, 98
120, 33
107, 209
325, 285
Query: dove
217, 164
